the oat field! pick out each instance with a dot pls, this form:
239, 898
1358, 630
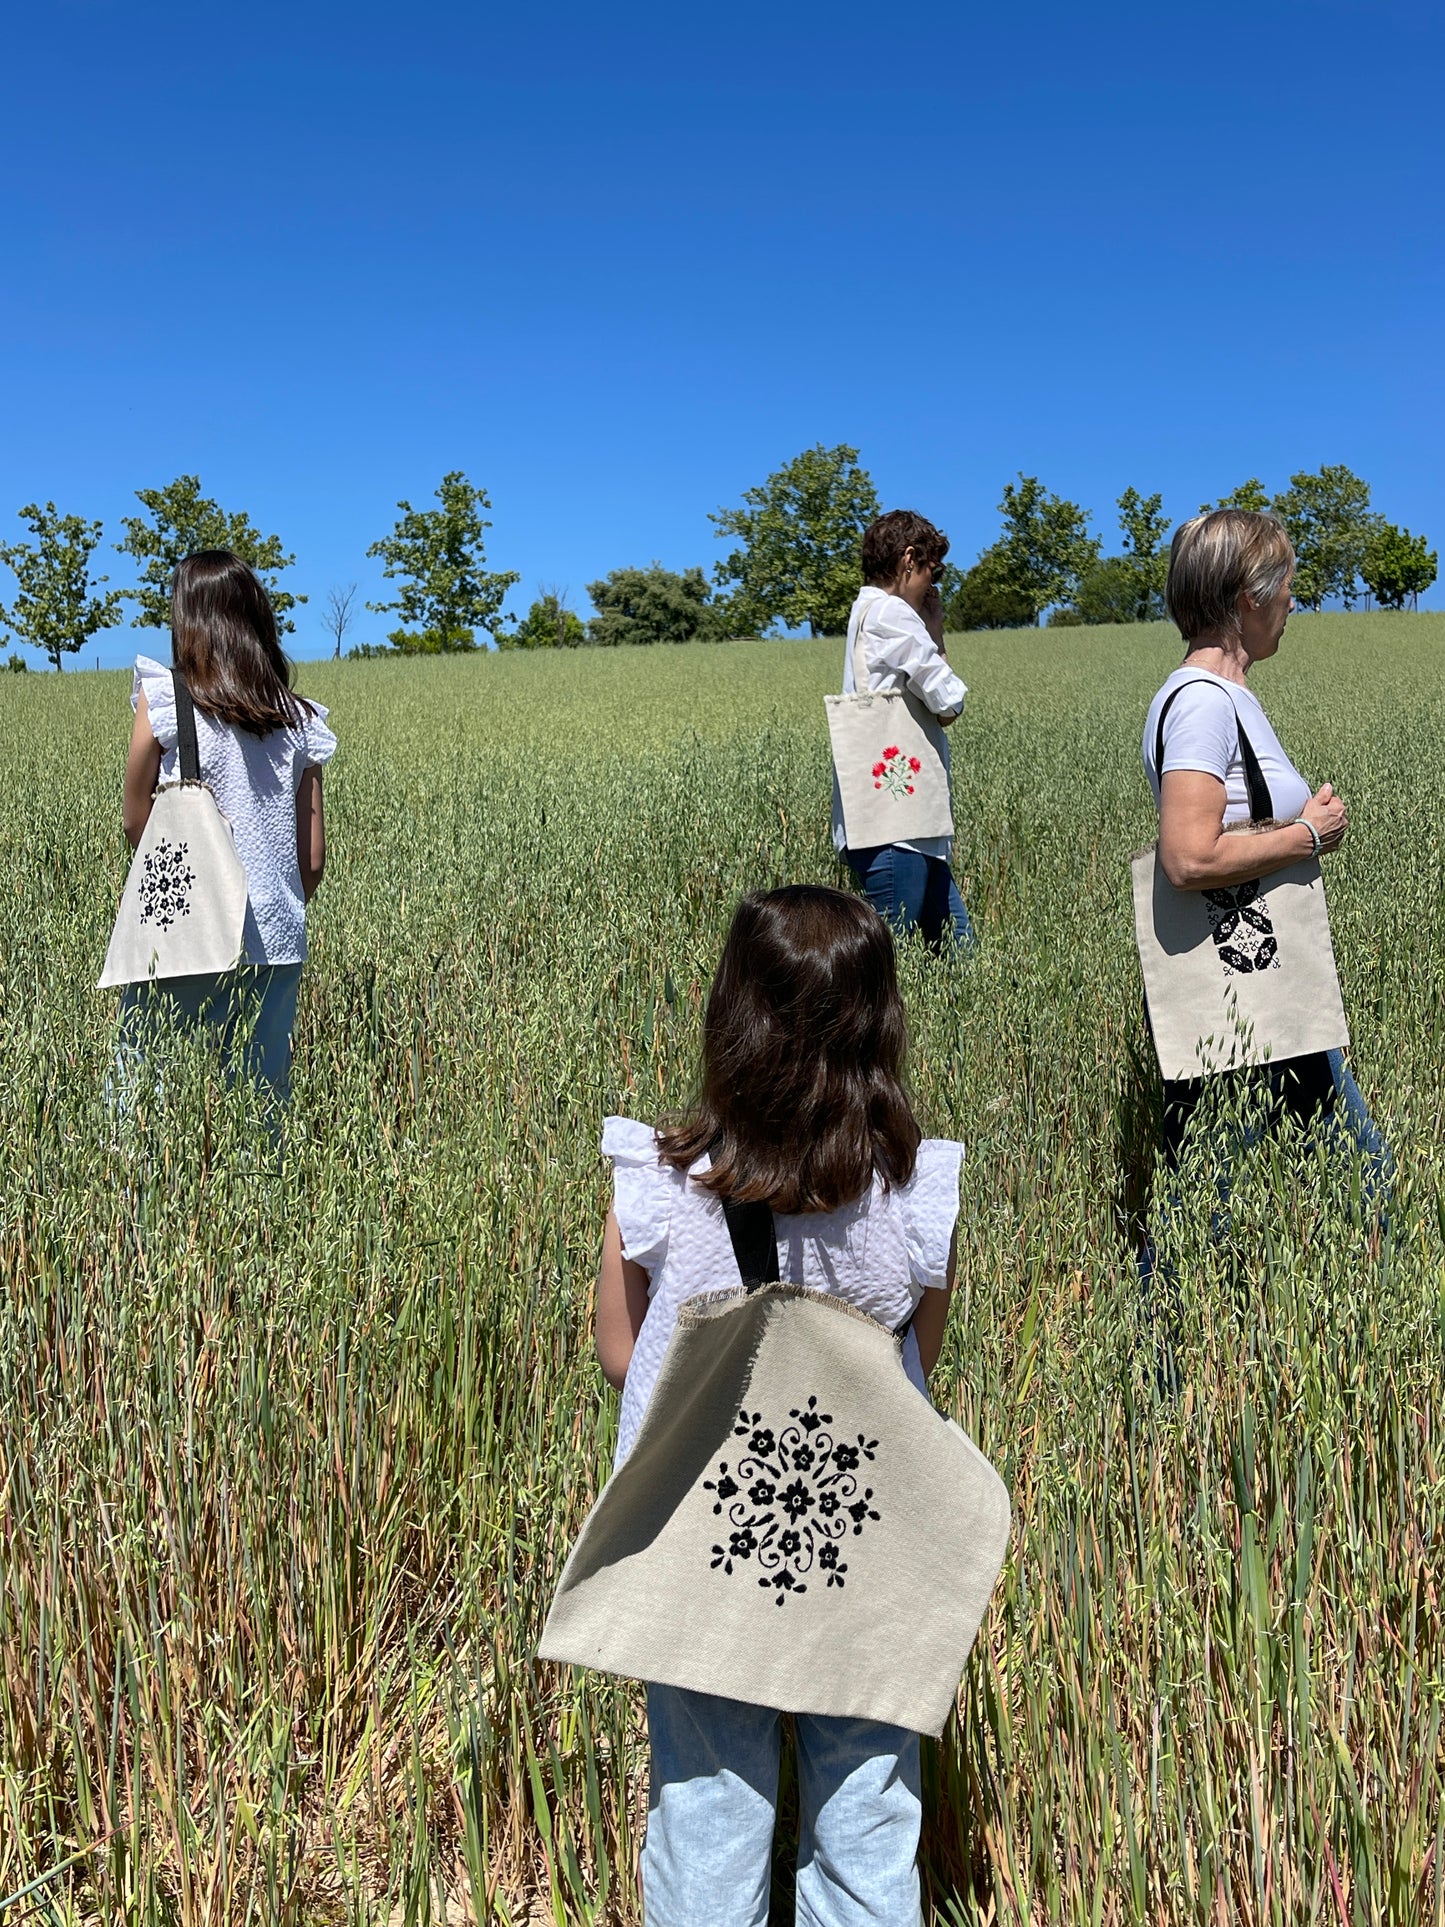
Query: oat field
291, 1447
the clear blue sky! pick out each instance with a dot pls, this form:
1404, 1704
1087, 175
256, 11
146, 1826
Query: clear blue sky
618, 263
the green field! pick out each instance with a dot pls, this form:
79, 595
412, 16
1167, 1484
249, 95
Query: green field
289, 1458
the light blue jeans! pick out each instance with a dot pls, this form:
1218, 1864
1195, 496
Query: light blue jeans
252, 1010
914, 892
707, 1860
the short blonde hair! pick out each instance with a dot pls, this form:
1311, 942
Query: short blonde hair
1216, 558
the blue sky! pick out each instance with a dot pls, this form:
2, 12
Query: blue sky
618, 264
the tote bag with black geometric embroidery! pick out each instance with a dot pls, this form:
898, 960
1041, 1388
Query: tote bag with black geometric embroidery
183, 909
792, 1512
1239, 976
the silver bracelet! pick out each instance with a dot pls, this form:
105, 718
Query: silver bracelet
1314, 834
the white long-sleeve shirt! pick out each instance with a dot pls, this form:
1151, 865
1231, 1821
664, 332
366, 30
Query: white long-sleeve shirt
899, 654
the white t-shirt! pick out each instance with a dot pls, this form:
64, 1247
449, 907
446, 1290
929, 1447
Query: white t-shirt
881, 1253
1201, 732
899, 654
254, 780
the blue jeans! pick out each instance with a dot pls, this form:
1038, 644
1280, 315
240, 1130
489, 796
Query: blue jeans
707, 1858
252, 1010
914, 892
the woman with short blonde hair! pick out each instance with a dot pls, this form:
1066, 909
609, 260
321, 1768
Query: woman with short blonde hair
1228, 591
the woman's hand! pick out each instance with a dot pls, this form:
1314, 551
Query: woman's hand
931, 611
1327, 813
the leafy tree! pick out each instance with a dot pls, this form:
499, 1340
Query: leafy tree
1110, 592
182, 521
1045, 549
16, 664
54, 609
1252, 495
1145, 563
548, 624
339, 614
983, 597
438, 555
1397, 566
652, 605
800, 535
1329, 522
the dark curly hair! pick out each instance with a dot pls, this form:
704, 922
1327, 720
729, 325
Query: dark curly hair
885, 540
802, 1101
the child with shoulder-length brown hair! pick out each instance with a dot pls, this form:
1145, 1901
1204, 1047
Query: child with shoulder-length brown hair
261, 751
802, 1106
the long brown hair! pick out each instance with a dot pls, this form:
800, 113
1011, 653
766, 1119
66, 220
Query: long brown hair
223, 641
802, 1099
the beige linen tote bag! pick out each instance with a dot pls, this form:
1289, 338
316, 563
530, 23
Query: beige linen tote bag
183, 908
1240, 976
792, 1510
891, 759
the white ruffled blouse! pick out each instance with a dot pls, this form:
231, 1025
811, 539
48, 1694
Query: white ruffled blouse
881, 1252
254, 780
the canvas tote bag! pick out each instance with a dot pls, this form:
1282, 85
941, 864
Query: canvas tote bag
184, 904
891, 759
792, 1515
1239, 976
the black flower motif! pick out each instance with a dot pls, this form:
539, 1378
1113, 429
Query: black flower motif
796, 1499
791, 1499
165, 884
1242, 929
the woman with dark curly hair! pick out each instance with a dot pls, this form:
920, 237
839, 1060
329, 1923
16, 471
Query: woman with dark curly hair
896, 628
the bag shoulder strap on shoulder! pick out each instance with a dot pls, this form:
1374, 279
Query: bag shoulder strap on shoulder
187, 750
755, 1243
862, 676
1261, 803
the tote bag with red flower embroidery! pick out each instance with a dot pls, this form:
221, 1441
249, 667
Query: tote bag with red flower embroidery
891, 760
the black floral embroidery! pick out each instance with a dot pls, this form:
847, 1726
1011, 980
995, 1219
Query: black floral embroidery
792, 1499
165, 884
1242, 930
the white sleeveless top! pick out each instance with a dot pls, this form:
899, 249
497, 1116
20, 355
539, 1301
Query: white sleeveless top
881, 1252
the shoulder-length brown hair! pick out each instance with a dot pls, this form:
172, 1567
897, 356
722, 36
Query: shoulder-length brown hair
802, 1100
223, 641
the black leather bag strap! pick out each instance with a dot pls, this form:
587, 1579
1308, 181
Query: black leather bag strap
755, 1244
187, 749
1261, 803
755, 1247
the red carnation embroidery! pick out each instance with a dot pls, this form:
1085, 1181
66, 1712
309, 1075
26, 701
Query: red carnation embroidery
889, 754
914, 764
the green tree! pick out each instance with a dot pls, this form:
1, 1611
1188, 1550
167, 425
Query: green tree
1252, 495
548, 624
1145, 563
1397, 566
800, 534
1045, 550
439, 556
54, 608
652, 605
1110, 593
983, 597
1329, 522
182, 521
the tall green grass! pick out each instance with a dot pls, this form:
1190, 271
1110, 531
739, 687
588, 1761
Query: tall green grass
291, 1447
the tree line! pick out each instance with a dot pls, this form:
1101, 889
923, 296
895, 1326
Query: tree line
794, 565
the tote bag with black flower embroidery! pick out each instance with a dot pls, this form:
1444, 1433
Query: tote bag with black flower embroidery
791, 1512
890, 756
183, 908
1239, 976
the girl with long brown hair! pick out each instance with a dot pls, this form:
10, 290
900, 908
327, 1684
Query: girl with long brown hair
261, 749
802, 1106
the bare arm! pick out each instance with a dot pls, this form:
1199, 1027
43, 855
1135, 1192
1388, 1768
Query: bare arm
621, 1305
142, 773
310, 831
1198, 853
932, 1313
